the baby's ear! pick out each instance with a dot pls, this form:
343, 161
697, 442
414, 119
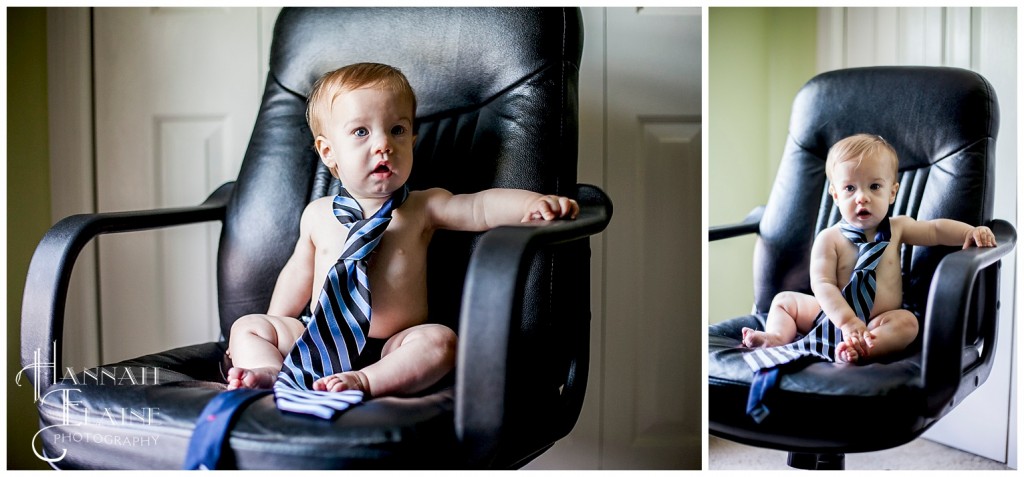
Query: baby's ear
895, 189
323, 149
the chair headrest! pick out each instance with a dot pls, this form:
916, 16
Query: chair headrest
926, 113
453, 57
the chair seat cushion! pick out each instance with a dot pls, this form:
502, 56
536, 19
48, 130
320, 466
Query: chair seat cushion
103, 420
818, 407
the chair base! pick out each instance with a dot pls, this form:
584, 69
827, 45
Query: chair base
809, 461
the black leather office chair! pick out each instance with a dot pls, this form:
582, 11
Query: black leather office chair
942, 123
497, 108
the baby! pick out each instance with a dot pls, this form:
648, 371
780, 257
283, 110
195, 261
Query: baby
862, 173
362, 119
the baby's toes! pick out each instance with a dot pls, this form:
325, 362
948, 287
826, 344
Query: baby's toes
251, 380
235, 373
845, 353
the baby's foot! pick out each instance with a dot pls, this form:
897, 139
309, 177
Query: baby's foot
256, 378
354, 380
759, 339
846, 353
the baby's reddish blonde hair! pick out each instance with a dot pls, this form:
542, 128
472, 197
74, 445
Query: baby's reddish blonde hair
857, 147
348, 78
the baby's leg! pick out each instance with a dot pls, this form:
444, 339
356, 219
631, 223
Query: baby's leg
893, 331
412, 360
257, 348
790, 313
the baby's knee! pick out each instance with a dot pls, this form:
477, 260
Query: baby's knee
784, 299
788, 302
252, 324
900, 321
444, 337
441, 338
908, 324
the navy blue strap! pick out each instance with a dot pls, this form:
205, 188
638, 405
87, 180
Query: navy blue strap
211, 432
764, 380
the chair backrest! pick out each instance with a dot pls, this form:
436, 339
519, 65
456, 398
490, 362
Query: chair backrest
496, 91
942, 123
497, 107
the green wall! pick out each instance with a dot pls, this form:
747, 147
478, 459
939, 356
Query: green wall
758, 58
28, 206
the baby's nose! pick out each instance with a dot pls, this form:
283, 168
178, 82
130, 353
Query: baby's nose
383, 147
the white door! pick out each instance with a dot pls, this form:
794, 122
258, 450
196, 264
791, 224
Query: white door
176, 95
652, 383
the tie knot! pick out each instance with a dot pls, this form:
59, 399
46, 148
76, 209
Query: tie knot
363, 237
858, 236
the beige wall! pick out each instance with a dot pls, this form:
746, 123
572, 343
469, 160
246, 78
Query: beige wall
758, 58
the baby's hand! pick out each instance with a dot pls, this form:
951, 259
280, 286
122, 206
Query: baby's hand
980, 236
857, 336
551, 207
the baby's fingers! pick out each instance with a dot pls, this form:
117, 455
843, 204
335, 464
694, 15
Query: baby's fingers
569, 207
869, 339
545, 210
540, 210
988, 239
551, 207
856, 341
981, 237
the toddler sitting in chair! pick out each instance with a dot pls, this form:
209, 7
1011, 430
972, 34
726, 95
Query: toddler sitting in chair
856, 311
362, 119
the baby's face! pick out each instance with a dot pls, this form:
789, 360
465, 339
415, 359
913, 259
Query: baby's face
864, 191
368, 141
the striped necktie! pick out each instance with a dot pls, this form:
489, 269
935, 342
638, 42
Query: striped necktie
330, 344
820, 343
337, 333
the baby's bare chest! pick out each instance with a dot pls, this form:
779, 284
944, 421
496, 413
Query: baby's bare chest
887, 272
401, 251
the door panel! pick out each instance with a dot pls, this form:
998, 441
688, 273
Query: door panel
177, 91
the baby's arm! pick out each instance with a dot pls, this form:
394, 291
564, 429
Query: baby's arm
930, 233
494, 207
825, 285
295, 282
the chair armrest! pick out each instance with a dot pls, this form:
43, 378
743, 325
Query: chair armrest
945, 323
750, 225
493, 281
49, 272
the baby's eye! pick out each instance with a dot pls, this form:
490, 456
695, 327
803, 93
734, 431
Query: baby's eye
876, 186
849, 188
398, 130
361, 132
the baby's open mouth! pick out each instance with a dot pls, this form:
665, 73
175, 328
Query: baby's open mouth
382, 168
863, 213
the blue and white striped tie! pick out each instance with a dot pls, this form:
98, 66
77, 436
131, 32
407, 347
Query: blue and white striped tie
341, 317
822, 340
